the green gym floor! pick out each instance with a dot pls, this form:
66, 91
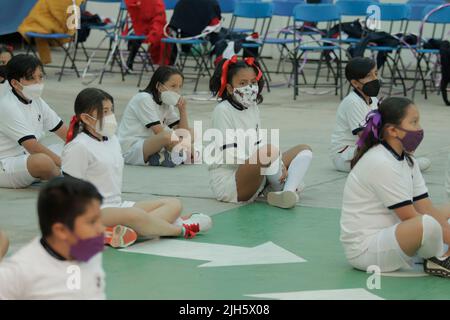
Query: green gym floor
291, 255
253, 251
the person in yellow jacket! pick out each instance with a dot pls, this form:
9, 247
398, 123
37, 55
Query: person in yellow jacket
49, 16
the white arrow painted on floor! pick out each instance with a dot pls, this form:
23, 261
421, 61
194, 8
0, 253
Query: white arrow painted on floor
218, 255
339, 294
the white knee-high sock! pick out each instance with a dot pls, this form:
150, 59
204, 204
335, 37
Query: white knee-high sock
274, 179
297, 170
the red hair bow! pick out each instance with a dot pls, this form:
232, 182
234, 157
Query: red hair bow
250, 61
73, 122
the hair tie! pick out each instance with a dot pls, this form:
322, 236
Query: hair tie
250, 61
373, 122
73, 122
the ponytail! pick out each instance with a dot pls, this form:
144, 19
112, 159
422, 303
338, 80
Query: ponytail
391, 111
371, 135
74, 129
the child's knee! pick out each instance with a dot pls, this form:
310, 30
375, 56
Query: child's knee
175, 204
41, 163
268, 153
432, 240
304, 147
166, 137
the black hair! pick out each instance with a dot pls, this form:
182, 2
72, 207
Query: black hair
161, 75
215, 82
358, 68
392, 110
87, 101
22, 66
62, 200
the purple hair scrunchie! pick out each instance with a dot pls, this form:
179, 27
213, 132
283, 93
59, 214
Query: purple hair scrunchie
373, 122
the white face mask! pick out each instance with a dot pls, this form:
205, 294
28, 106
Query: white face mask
109, 126
33, 91
247, 95
169, 97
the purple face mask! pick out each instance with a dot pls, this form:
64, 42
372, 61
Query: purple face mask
85, 249
411, 140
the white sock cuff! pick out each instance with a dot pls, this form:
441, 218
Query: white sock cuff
432, 241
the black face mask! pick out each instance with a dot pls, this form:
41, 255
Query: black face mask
372, 88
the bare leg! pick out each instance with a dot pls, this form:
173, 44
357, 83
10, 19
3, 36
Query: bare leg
289, 155
168, 209
248, 175
42, 167
145, 225
155, 143
409, 235
4, 244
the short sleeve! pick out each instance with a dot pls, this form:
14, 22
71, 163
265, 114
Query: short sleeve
420, 190
227, 145
75, 160
391, 187
146, 111
52, 122
173, 118
11, 281
356, 117
15, 126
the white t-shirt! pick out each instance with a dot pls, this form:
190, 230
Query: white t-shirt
141, 113
380, 182
4, 88
35, 274
99, 162
350, 118
226, 116
20, 121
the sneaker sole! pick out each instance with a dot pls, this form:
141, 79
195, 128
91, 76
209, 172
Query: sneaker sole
285, 200
436, 270
118, 237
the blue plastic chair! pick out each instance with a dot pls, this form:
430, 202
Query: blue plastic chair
285, 37
441, 18
258, 12
227, 6
196, 51
318, 13
108, 28
283, 9
393, 13
355, 9
60, 39
117, 38
170, 4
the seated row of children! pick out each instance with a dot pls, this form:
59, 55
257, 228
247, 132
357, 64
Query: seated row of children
387, 218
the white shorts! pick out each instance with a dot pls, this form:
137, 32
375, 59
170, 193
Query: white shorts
341, 160
223, 184
14, 172
135, 154
124, 204
384, 252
